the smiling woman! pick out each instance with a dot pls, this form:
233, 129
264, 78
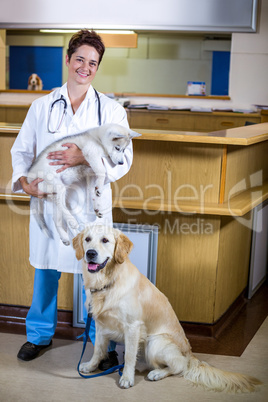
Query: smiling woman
83, 59
81, 99
83, 65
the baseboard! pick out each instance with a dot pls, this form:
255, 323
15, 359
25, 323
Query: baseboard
215, 329
12, 320
230, 335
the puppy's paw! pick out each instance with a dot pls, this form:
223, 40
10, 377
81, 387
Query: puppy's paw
98, 191
126, 382
98, 213
98, 207
66, 242
87, 368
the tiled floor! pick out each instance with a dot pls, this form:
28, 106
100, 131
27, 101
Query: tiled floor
53, 376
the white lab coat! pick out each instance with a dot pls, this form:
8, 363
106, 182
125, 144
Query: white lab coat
47, 253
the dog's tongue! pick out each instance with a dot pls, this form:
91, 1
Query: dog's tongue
92, 267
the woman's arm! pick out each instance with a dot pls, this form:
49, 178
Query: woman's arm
23, 150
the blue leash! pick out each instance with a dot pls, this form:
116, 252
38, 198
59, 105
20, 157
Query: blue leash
85, 339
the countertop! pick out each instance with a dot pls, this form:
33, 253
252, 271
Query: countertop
246, 135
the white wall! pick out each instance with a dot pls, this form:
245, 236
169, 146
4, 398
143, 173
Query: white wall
249, 64
248, 80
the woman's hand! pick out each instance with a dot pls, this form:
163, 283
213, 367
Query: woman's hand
72, 156
32, 188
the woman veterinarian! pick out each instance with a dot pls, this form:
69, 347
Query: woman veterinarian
78, 107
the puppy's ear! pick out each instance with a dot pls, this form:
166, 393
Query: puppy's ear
78, 246
123, 247
133, 134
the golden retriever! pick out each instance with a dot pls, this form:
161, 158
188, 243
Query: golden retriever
128, 308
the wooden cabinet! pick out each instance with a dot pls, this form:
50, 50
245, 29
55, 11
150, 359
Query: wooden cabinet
17, 276
198, 188
264, 116
160, 120
13, 113
189, 121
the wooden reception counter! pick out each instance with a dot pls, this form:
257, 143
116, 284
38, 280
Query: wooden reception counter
198, 188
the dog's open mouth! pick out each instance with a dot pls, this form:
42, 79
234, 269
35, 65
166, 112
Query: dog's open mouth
93, 267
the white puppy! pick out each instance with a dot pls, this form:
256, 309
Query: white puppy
35, 83
107, 140
128, 308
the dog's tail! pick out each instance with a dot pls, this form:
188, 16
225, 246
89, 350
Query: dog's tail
201, 373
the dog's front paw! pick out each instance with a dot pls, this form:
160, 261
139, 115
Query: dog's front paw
98, 207
98, 213
87, 368
97, 191
126, 382
65, 240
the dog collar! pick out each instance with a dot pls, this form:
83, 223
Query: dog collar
99, 290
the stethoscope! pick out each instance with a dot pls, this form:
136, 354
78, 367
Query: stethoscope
63, 101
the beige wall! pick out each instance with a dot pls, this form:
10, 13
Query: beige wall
162, 63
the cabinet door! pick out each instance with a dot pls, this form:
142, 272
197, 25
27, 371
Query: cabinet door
162, 120
188, 121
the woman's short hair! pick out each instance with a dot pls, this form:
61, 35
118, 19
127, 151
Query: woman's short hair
85, 37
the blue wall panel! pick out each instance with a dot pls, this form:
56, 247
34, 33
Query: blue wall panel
220, 73
44, 61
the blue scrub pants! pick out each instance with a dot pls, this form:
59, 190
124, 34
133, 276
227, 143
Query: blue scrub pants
41, 320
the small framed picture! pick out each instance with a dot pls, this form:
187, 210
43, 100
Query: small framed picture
196, 88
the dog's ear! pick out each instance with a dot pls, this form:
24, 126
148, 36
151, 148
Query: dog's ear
133, 134
123, 247
116, 132
78, 246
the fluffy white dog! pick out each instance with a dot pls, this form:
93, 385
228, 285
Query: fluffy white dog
107, 140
